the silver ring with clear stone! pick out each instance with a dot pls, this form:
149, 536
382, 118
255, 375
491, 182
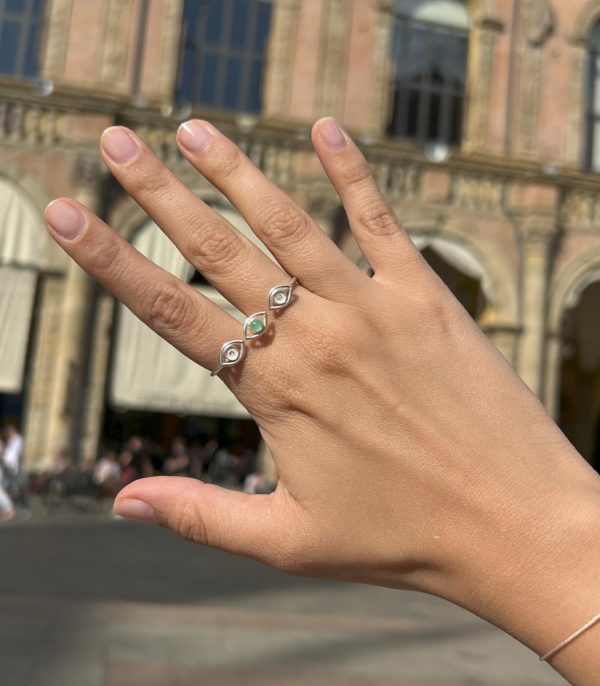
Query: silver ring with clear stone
232, 352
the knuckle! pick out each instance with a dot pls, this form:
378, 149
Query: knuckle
102, 256
149, 182
188, 523
213, 247
169, 309
231, 164
284, 221
355, 174
378, 219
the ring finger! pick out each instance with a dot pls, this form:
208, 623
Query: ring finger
229, 261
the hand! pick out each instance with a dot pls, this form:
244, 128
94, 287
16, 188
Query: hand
409, 453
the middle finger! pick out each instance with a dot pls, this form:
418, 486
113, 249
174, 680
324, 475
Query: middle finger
229, 261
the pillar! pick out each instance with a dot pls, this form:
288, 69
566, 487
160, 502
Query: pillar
64, 403
538, 233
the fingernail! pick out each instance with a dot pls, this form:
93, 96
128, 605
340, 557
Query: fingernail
134, 509
68, 221
331, 132
194, 136
119, 145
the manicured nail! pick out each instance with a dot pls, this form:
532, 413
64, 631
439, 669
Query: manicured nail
120, 145
134, 509
194, 136
68, 221
331, 132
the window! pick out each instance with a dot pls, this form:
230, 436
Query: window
223, 53
430, 44
592, 152
20, 25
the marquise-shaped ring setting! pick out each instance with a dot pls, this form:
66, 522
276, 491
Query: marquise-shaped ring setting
255, 325
232, 352
280, 296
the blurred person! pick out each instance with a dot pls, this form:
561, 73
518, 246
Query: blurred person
141, 459
7, 510
178, 462
129, 472
107, 474
13, 467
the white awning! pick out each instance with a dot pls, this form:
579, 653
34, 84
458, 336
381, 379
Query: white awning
17, 292
22, 232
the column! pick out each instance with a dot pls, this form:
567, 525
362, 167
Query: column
66, 390
538, 233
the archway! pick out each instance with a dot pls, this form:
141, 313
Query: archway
464, 275
579, 402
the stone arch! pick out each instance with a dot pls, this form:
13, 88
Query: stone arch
580, 273
565, 296
588, 16
500, 280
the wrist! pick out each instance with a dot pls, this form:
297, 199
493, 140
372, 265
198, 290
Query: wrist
536, 576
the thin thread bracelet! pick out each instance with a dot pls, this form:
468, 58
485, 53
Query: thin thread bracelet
571, 638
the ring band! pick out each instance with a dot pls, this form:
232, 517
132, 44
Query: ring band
232, 352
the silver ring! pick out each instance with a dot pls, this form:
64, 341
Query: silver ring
256, 325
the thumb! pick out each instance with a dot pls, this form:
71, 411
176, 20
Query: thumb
236, 522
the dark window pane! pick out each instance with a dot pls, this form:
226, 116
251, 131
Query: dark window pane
224, 52
10, 37
210, 69
214, 23
239, 24
31, 57
187, 72
255, 87
38, 8
17, 6
233, 82
263, 26
430, 67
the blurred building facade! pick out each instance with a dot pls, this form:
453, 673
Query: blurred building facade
481, 120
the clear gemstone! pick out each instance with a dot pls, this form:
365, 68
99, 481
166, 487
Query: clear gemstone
280, 298
233, 354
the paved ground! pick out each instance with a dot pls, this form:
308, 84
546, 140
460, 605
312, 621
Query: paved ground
101, 602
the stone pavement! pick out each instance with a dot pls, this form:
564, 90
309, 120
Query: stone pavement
102, 602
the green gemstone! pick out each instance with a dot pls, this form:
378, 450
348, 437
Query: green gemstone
257, 326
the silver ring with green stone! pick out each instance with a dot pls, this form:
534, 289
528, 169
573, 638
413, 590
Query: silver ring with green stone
255, 326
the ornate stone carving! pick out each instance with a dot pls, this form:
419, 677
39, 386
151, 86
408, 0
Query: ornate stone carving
170, 37
478, 193
53, 59
334, 48
117, 42
538, 21
381, 69
481, 70
280, 57
581, 211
